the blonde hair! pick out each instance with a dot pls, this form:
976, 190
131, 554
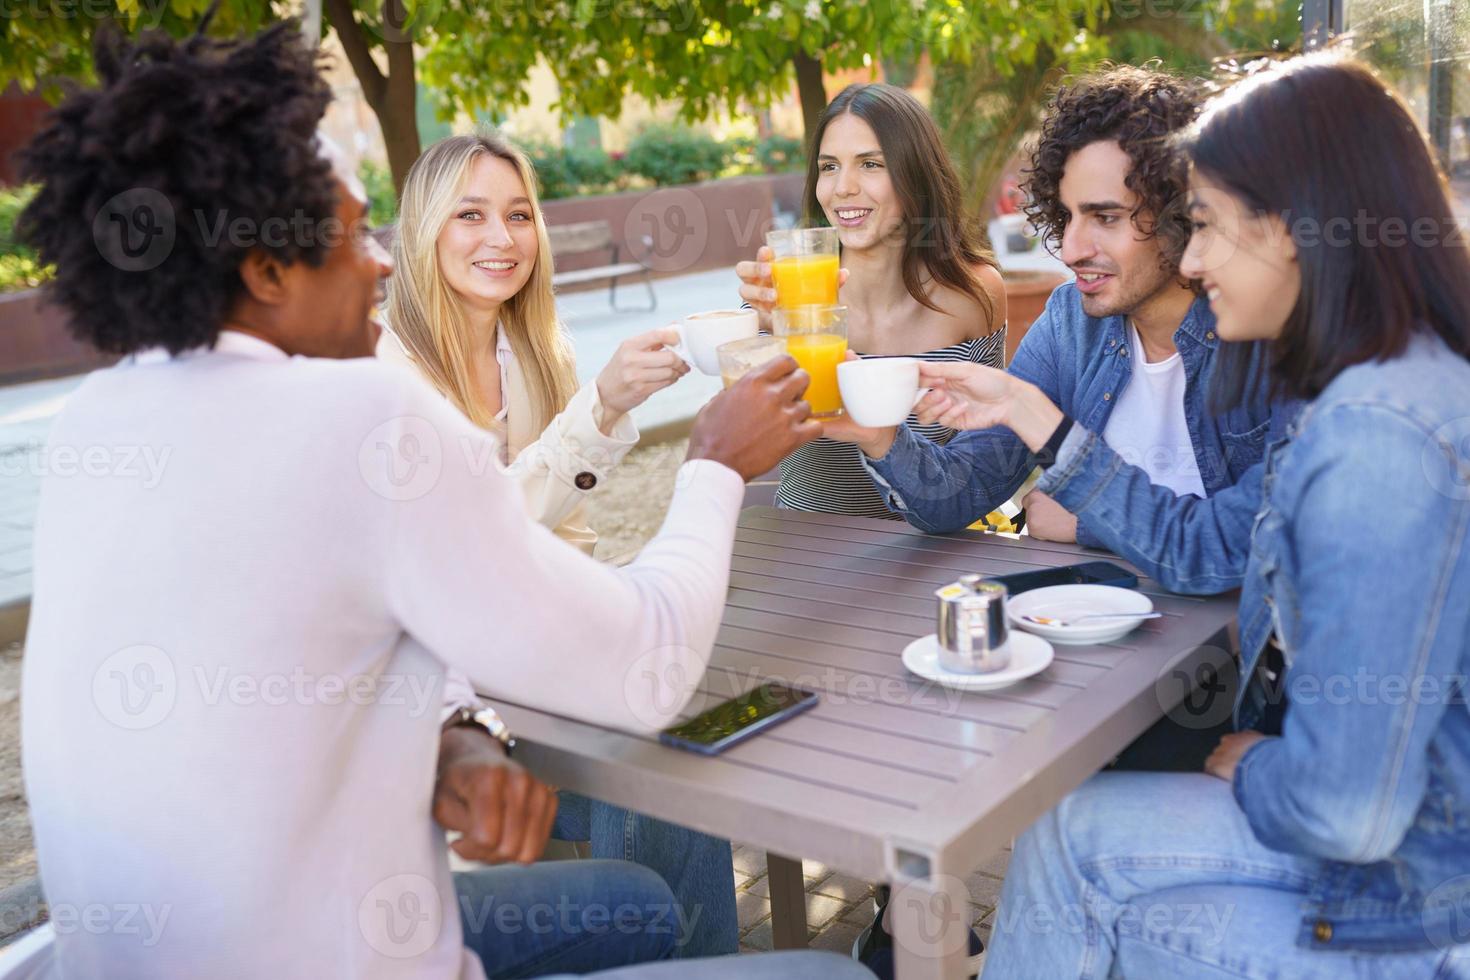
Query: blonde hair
426, 315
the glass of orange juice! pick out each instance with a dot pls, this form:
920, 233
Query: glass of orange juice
805, 266
817, 337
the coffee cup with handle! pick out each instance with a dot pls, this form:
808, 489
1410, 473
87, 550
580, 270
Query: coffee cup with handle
701, 334
879, 391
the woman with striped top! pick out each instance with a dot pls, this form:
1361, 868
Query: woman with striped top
919, 279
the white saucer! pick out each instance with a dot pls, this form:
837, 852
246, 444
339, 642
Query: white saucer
1071, 601
1030, 655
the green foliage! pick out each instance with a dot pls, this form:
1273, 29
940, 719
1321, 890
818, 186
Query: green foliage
985, 107
668, 154
778, 154
377, 180
41, 42
661, 155
591, 168
19, 272
568, 171
19, 268
13, 201
707, 55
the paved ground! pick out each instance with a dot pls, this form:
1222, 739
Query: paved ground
838, 907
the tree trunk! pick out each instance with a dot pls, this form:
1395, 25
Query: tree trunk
398, 115
391, 96
812, 93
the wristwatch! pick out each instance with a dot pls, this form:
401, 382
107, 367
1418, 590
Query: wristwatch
485, 719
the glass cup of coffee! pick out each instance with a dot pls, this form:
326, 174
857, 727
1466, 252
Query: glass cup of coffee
700, 334
739, 357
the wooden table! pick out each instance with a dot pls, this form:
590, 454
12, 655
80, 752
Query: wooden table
890, 777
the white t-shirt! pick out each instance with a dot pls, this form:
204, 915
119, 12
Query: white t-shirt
235, 673
1147, 427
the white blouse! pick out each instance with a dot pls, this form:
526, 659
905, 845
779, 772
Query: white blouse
559, 466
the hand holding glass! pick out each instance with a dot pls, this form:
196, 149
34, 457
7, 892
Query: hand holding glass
739, 357
805, 266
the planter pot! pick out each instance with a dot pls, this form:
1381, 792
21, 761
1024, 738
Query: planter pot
35, 342
1027, 291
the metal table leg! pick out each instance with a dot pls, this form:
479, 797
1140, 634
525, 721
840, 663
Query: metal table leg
788, 902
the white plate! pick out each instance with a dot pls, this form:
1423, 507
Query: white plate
1070, 601
1030, 655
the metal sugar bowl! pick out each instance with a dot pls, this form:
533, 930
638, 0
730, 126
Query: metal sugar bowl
973, 632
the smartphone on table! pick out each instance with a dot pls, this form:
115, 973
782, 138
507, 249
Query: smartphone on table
732, 722
1087, 573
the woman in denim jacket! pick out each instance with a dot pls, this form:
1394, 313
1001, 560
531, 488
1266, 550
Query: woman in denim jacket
1330, 835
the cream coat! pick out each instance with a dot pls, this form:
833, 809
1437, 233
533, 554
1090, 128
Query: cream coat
547, 464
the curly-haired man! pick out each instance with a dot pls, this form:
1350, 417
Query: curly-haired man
1126, 349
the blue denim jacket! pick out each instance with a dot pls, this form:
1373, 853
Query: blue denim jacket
1083, 364
1359, 564
1187, 544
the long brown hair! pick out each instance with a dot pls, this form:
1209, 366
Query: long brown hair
941, 239
1322, 143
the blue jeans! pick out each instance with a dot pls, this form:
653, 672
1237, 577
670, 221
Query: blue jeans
802, 965
698, 868
1158, 875
573, 917
565, 917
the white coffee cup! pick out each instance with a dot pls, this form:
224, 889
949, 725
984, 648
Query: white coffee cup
879, 391
701, 333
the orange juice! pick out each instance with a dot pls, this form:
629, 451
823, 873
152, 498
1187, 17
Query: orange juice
805, 280
819, 354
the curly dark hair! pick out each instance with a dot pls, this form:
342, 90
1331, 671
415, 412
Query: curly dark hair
1143, 109
140, 177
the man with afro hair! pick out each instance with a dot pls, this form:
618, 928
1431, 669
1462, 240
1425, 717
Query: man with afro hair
240, 740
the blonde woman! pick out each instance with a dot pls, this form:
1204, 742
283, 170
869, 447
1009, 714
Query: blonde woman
470, 306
